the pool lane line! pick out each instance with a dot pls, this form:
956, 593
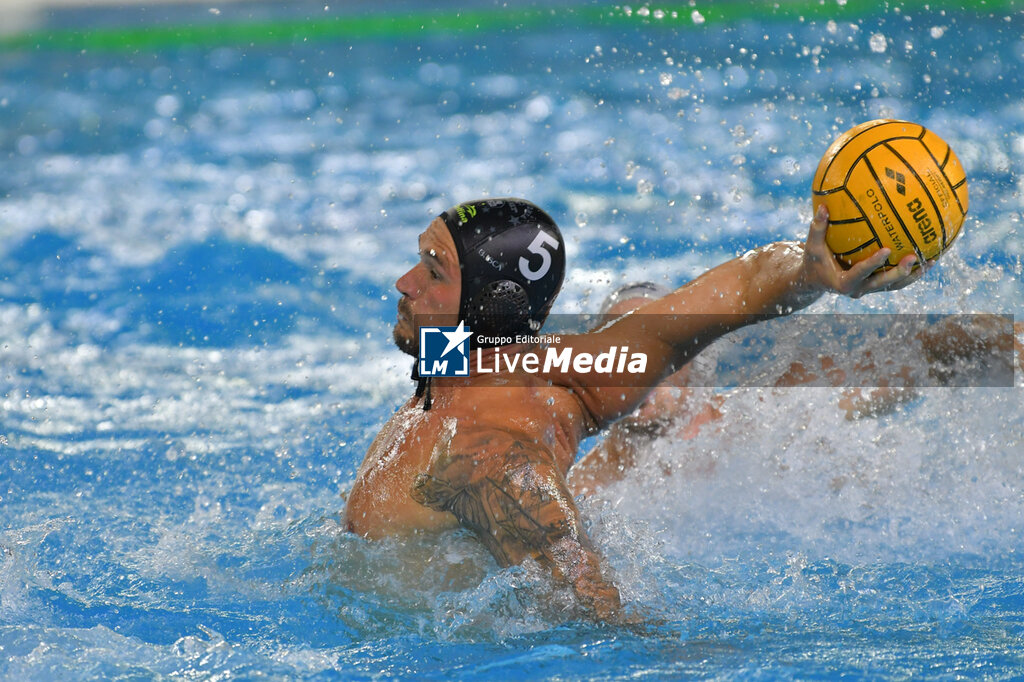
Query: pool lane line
673, 16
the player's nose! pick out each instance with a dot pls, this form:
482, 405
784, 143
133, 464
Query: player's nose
407, 284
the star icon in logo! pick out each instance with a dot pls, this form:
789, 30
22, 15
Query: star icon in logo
455, 338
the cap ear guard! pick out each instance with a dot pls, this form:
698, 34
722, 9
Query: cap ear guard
499, 308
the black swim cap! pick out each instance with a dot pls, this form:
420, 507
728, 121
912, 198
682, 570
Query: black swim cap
512, 259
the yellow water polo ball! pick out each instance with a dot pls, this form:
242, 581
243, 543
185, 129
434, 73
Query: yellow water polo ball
894, 184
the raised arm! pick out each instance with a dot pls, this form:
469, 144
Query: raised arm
773, 280
508, 491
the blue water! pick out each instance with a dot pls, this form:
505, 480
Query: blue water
196, 289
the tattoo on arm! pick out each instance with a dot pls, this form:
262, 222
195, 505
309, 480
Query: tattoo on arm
512, 497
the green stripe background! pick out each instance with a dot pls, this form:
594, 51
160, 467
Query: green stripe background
411, 25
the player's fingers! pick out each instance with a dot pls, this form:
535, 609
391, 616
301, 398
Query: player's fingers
819, 224
861, 272
895, 278
902, 282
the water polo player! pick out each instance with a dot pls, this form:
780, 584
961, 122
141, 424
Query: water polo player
490, 451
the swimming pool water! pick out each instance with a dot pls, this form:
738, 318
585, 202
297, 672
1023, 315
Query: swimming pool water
199, 244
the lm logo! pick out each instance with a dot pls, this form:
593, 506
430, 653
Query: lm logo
444, 351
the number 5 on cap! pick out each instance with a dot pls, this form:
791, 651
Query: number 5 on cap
538, 246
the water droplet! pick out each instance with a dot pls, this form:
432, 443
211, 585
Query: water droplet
877, 42
697, 17
665, 79
27, 145
581, 219
937, 31
538, 108
167, 105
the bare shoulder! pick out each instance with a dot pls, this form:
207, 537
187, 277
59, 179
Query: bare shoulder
468, 450
551, 415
